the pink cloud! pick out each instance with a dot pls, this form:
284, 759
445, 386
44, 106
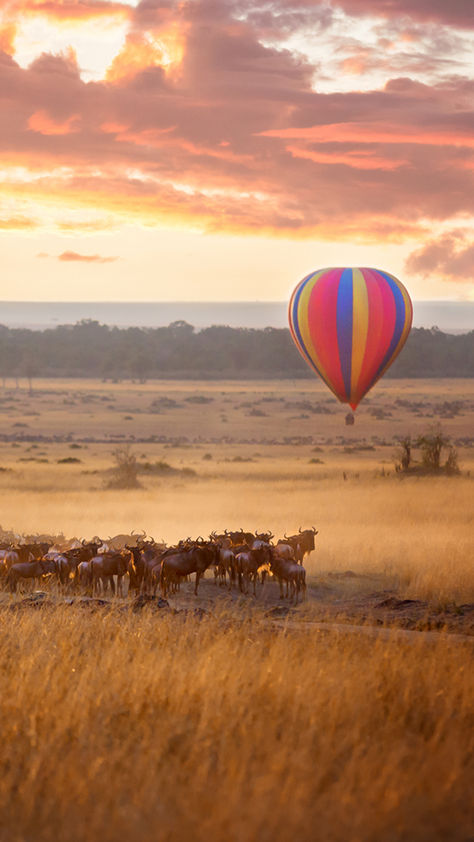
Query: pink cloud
451, 256
41, 122
452, 12
73, 256
237, 138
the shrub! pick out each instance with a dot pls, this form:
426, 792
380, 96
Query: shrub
124, 474
403, 455
431, 445
451, 465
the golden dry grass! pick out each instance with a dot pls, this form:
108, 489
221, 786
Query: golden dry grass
147, 727
143, 727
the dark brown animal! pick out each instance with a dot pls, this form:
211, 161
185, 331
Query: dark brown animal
291, 573
28, 570
104, 567
302, 543
177, 564
248, 565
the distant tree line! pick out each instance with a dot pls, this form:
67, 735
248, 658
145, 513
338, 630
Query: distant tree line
91, 349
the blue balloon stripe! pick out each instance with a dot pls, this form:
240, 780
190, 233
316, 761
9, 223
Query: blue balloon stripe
344, 317
399, 322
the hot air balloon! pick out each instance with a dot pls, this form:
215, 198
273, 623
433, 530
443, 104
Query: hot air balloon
349, 325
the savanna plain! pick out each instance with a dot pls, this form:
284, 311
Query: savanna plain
346, 717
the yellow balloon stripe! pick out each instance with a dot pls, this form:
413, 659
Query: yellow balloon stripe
303, 324
360, 325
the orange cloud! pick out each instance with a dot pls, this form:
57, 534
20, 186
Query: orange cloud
18, 223
356, 64
8, 33
357, 161
41, 122
144, 50
373, 133
73, 257
87, 226
154, 204
237, 139
72, 10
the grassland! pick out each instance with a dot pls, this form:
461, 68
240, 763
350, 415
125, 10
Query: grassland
121, 726
272, 455
238, 726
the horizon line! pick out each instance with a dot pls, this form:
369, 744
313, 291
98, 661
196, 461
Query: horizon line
191, 301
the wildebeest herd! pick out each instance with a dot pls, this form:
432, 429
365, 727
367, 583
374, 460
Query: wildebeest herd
239, 560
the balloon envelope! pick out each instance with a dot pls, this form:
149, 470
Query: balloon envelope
349, 325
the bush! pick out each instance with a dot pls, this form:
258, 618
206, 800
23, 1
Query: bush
125, 473
432, 444
403, 455
451, 465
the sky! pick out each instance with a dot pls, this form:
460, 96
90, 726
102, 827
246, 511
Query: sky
222, 149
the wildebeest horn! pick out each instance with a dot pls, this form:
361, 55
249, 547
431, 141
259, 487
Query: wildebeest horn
314, 530
300, 530
270, 536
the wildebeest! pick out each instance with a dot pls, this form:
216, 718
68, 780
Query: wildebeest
19, 554
249, 563
28, 570
302, 543
290, 572
124, 541
179, 563
104, 567
84, 575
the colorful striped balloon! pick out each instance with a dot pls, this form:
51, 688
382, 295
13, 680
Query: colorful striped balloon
349, 325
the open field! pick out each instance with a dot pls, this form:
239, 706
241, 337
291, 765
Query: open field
245, 722
275, 456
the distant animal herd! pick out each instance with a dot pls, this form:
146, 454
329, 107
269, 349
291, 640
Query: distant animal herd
240, 560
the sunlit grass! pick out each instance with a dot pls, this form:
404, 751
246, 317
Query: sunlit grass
144, 727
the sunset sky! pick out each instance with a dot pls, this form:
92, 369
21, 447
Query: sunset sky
217, 150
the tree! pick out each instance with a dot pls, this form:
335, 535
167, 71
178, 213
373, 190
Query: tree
404, 454
431, 445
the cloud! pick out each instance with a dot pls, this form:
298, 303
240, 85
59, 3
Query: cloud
41, 122
457, 13
70, 10
450, 256
232, 134
75, 257
8, 34
17, 223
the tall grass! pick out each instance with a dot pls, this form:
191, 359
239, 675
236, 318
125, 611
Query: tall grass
145, 727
